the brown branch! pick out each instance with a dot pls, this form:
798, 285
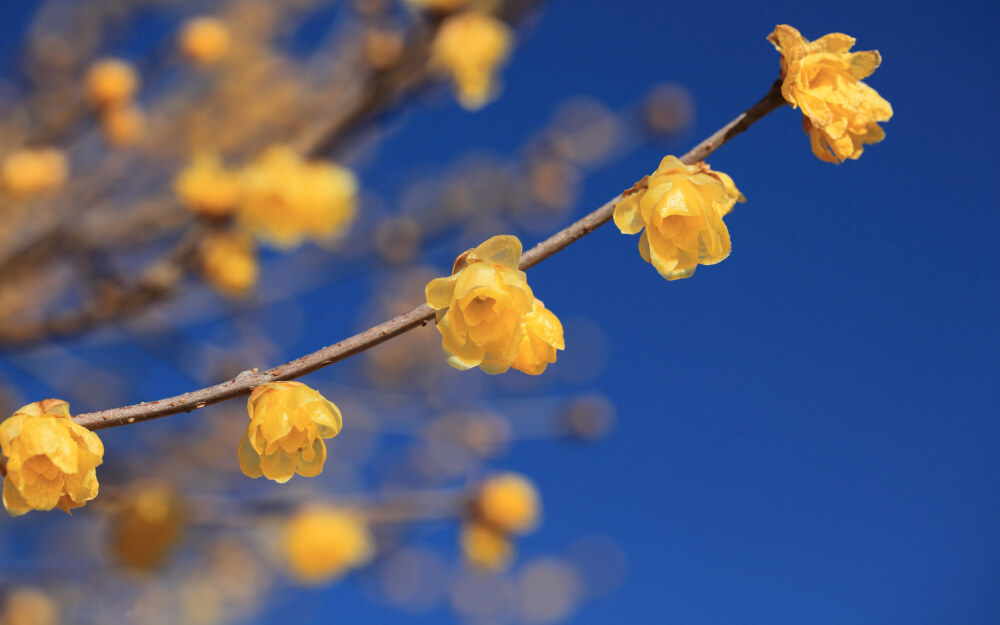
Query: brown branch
244, 383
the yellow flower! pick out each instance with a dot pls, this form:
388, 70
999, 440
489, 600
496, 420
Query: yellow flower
680, 215
509, 503
288, 422
111, 82
123, 124
148, 525
207, 188
823, 77
322, 543
48, 459
468, 49
33, 170
480, 307
229, 263
204, 40
28, 606
286, 199
543, 335
485, 547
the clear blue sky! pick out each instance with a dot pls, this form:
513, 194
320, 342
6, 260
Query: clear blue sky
807, 432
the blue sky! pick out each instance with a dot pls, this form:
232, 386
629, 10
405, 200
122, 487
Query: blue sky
808, 431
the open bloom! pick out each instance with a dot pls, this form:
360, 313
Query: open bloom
287, 199
468, 49
508, 502
206, 187
323, 542
288, 422
48, 460
543, 335
480, 307
680, 216
823, 78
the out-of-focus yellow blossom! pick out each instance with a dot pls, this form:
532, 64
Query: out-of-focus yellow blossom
468, 49
47, 459
543, 335
28, 606
823, 77
680, 215
508, 502
148, 525
481, 306
229, 263
111, 82
288, 422
33, 170
485, 547
207, 187
286, 199
123, 124
204, 40
322, 543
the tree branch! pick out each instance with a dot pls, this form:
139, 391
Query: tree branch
244, 383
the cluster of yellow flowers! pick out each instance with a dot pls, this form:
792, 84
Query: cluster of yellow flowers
111, 86
488, 316
505, 505
322, 543
47, 459
279, 198
823, 78
679, 213
468, 49
29, 171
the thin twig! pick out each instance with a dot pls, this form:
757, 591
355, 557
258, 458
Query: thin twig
244, 383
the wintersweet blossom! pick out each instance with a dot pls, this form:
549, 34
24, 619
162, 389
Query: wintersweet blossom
679, 213
204, 40
485, 547
148, 525
481, 306
47, 459
206, 187
823, 78
288, 422
543, 335
229, 262
321, 543
111, 82
508, 502
468, 49
33, 170
286, 199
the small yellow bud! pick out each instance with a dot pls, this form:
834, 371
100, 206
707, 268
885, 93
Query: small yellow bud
468, 49
322, 543
204, 40
229, 263
823, 78
47, 459
543, 335
485, 547
29, 171
111, 82
28, 606
481, 306
288, 422
207, 188
286, 199
123, 124
680, 216
509, 503
148, 525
